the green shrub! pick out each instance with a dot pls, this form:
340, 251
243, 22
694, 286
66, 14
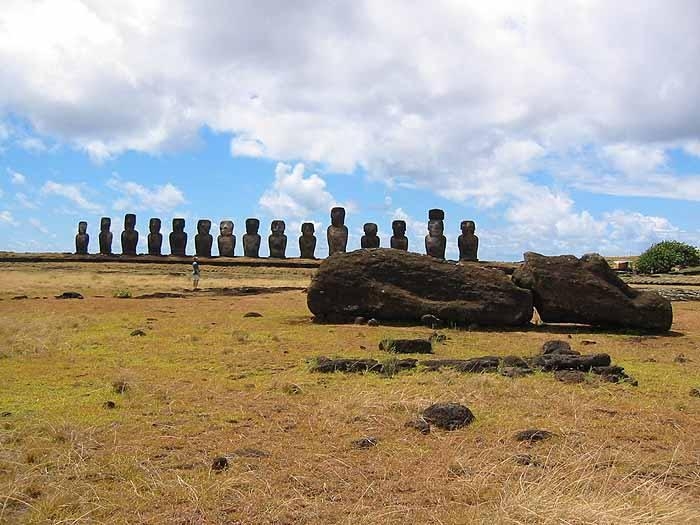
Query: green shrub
661, 257
122, 294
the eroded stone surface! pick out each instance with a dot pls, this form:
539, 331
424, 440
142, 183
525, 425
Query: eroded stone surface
337, 232
251, 239
204, 240
277, 241
399, 241
155, 238
307, 241
468, 243
448, 416
130, 237
178, 237
82, 239
105, 237
226, 241
370, 239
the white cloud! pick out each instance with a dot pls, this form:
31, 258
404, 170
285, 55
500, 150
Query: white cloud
25, 201
32, 144
246, 147
635, 159
7, 218
135, 196
38, 225
16, 177
72, 192
294, 195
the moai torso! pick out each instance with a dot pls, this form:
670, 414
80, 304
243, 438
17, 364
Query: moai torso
82, 239
468, 242
337, 232
155, 238
203, 240
178, 238
277, 241
435, 242
370, 238
130, 237
105, 237
251, 239
399, 241
307, 241
226, 239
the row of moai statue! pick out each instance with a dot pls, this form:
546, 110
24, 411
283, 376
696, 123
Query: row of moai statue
337, 237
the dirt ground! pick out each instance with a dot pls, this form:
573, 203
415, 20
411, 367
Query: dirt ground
205, 381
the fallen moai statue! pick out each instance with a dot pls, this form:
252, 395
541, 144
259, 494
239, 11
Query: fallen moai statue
393, 285
567, 289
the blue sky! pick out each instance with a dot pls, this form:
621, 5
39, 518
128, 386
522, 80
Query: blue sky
564, 128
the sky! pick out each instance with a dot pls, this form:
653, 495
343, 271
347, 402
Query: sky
561, 127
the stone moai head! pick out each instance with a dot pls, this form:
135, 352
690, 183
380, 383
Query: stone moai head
105, 224
370, 229
154, 225
337, 216
467, 227
203, 226
82, 227
435, 227
436, 214
307, 228
129, 221
178, 225
277, 227
252, 226
226, 228
399, 228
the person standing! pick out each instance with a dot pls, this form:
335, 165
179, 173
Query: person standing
195, 274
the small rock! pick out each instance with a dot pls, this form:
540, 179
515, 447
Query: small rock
109, 404
19, 297
431, 321
695, 392
557, 346
252, 314
681, 358
360, 320
515, 361
120, 387
373, 322
448, 416
219, 463
365, 442
586, 342
532, 435
419, 424
69, 295
5, 414
138, 333
326, 365
514, 372
570, 376
406, 346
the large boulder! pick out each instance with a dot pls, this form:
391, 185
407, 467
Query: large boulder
394, 285
587, 291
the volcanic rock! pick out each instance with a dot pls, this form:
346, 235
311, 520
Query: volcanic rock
448, 416
406, 346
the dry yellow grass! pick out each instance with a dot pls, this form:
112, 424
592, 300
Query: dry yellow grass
205, 382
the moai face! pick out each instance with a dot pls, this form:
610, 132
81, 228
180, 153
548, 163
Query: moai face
399, 228
435, 228
468, 227
226, 228
129, 221
252, 226
277, 227
338, 216
307, 228
154, 225
179, 225
82, 227
436, 214
105, 224
203, 226
370, 229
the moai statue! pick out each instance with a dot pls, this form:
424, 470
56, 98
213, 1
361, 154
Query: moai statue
370, 238
251, 239
155, 238
178, 238
307, 241
82, 239
105, 236
130, 237
399, 241
337, 232
203, 240
468, 242
277, 241
226, 239
435, 242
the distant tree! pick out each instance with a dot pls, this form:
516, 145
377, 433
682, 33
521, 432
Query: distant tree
663, 256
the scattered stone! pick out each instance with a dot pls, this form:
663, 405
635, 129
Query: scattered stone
681, 358
393, 285
551, 362
515, 361
161, 295
448, 416
120, 387
365, 442
570, 376
526, 460
252, 314
138, 333
559, 347
219, 463
586, 290
431, 321
19, 297
419, 424
360, 320
437, 337
248, 452
324, 364
695, 392
586, 342
475, 365
69, 295
109, 404
373, 322
5, 414
532, 435
406, 346
514, 372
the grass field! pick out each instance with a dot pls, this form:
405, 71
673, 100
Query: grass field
206, 382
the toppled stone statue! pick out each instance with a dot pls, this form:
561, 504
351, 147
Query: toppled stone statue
435, 241
203, 241
155, 238
468, 242
307, 241
337, 232
251, 239
392, 285
82, 239
178, 238
587, 291
399, 241
370, 238
105, 237
226, 240
130, 237
277, 241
